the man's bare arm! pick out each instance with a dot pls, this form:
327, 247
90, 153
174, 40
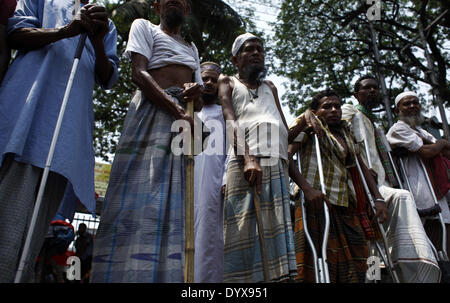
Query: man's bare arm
252, 169
311, 194
428, 151
306, 121
150, 87
34, 38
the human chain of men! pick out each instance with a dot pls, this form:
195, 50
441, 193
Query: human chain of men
224, 215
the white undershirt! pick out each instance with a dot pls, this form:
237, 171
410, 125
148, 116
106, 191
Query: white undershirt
160, 49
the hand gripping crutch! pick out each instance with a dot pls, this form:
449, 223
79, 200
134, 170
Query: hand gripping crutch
26, 249
321, 272
387, 260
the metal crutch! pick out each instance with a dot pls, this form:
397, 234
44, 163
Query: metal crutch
386, 144
317, 274
408, 185
387, 260
321, 272
26, 249
442, 254
323, 266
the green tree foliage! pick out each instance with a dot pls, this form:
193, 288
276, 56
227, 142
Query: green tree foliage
328, 44
212, 26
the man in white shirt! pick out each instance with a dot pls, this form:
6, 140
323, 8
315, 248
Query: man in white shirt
406, 237
420, 144
259, 172
208, 173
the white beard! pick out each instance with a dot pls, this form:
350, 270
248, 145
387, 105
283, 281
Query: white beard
412, 121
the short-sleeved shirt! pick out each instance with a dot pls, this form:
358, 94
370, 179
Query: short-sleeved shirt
161, 49
402, 135
32, 92
7, 8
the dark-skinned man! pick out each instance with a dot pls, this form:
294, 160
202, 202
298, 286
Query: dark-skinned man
46, 34
407, 240
350, 227
208, 173
251, 108
408, 134
141, 234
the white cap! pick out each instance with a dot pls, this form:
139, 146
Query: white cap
237, 44
404, 94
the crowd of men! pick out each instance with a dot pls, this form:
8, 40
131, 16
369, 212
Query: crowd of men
243, 224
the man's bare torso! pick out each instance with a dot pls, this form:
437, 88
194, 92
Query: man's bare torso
171, 75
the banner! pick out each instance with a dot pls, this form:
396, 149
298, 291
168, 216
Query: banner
101, 177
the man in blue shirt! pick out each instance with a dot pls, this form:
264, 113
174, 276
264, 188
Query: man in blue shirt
46, 34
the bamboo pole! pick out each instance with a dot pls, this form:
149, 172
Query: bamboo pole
262, 243
189, 228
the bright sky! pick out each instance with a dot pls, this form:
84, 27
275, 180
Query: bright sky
264, 15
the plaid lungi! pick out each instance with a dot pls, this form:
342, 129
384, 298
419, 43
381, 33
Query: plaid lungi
141, 232
347, 249
242, 255
19, 185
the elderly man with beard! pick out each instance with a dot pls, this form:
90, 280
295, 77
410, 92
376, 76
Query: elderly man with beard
208, 172
407, 239
141, 232
257, 170
408, 134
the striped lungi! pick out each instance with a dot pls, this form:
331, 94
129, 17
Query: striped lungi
347, 249
19, 185
242, 255
141, 232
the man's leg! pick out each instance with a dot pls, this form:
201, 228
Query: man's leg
407, 238
19, 184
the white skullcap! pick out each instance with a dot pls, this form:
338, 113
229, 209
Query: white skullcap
237, 44
404, 94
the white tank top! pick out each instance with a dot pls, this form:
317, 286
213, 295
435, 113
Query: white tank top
266, 134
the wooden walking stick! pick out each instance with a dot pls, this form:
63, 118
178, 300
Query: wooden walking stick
262, 243
189, 228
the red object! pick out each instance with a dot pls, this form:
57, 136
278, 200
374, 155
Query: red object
61, 222
7, 9
62, 259
441, 168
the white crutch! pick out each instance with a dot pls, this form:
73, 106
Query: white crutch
408, 185
386, 260
26, 249
443, 253
321, 272
317, 273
